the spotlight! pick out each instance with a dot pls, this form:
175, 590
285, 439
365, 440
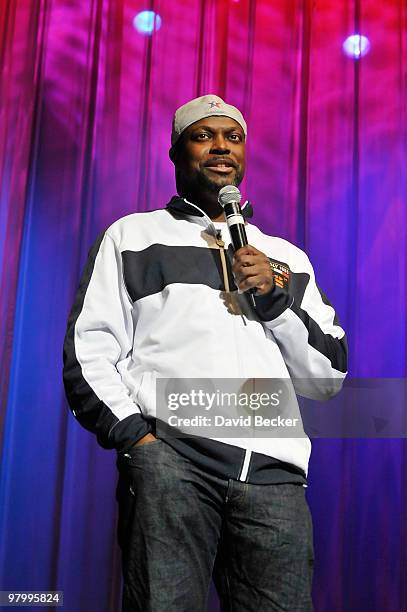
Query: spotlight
147, 22
356, 46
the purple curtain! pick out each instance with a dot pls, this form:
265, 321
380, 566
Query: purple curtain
86, 103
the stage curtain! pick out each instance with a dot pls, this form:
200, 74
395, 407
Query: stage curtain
86, 103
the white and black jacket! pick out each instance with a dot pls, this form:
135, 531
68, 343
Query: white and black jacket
149, 306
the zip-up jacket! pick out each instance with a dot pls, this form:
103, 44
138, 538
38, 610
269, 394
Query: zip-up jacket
157, 299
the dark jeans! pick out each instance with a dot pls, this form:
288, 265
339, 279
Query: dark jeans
179, 525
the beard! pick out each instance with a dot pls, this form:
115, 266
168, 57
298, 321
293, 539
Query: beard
202, 183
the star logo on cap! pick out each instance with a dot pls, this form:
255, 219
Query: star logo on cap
214, 104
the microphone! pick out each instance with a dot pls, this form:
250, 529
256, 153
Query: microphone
229, 198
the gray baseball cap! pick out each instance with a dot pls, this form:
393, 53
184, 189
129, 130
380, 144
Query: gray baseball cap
204, 106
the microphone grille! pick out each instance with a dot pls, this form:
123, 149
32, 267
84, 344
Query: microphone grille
228, 194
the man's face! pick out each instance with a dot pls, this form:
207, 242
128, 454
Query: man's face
212, 155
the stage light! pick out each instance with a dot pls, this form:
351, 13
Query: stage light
356, 46
147, 22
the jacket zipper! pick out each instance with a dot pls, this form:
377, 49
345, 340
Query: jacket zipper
244, 472
246, 462
243, 476
221, 246
231, 300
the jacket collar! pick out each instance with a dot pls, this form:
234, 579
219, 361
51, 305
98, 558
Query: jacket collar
179, 205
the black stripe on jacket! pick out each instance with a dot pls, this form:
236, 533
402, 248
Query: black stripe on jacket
149, 271
274, 303
93, 414
226, 460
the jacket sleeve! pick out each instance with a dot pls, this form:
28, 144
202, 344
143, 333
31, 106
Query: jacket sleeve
308, 333
98, 339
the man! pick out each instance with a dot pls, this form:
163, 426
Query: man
161, 297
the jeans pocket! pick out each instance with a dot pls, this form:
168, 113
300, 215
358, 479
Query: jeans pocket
141, 449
